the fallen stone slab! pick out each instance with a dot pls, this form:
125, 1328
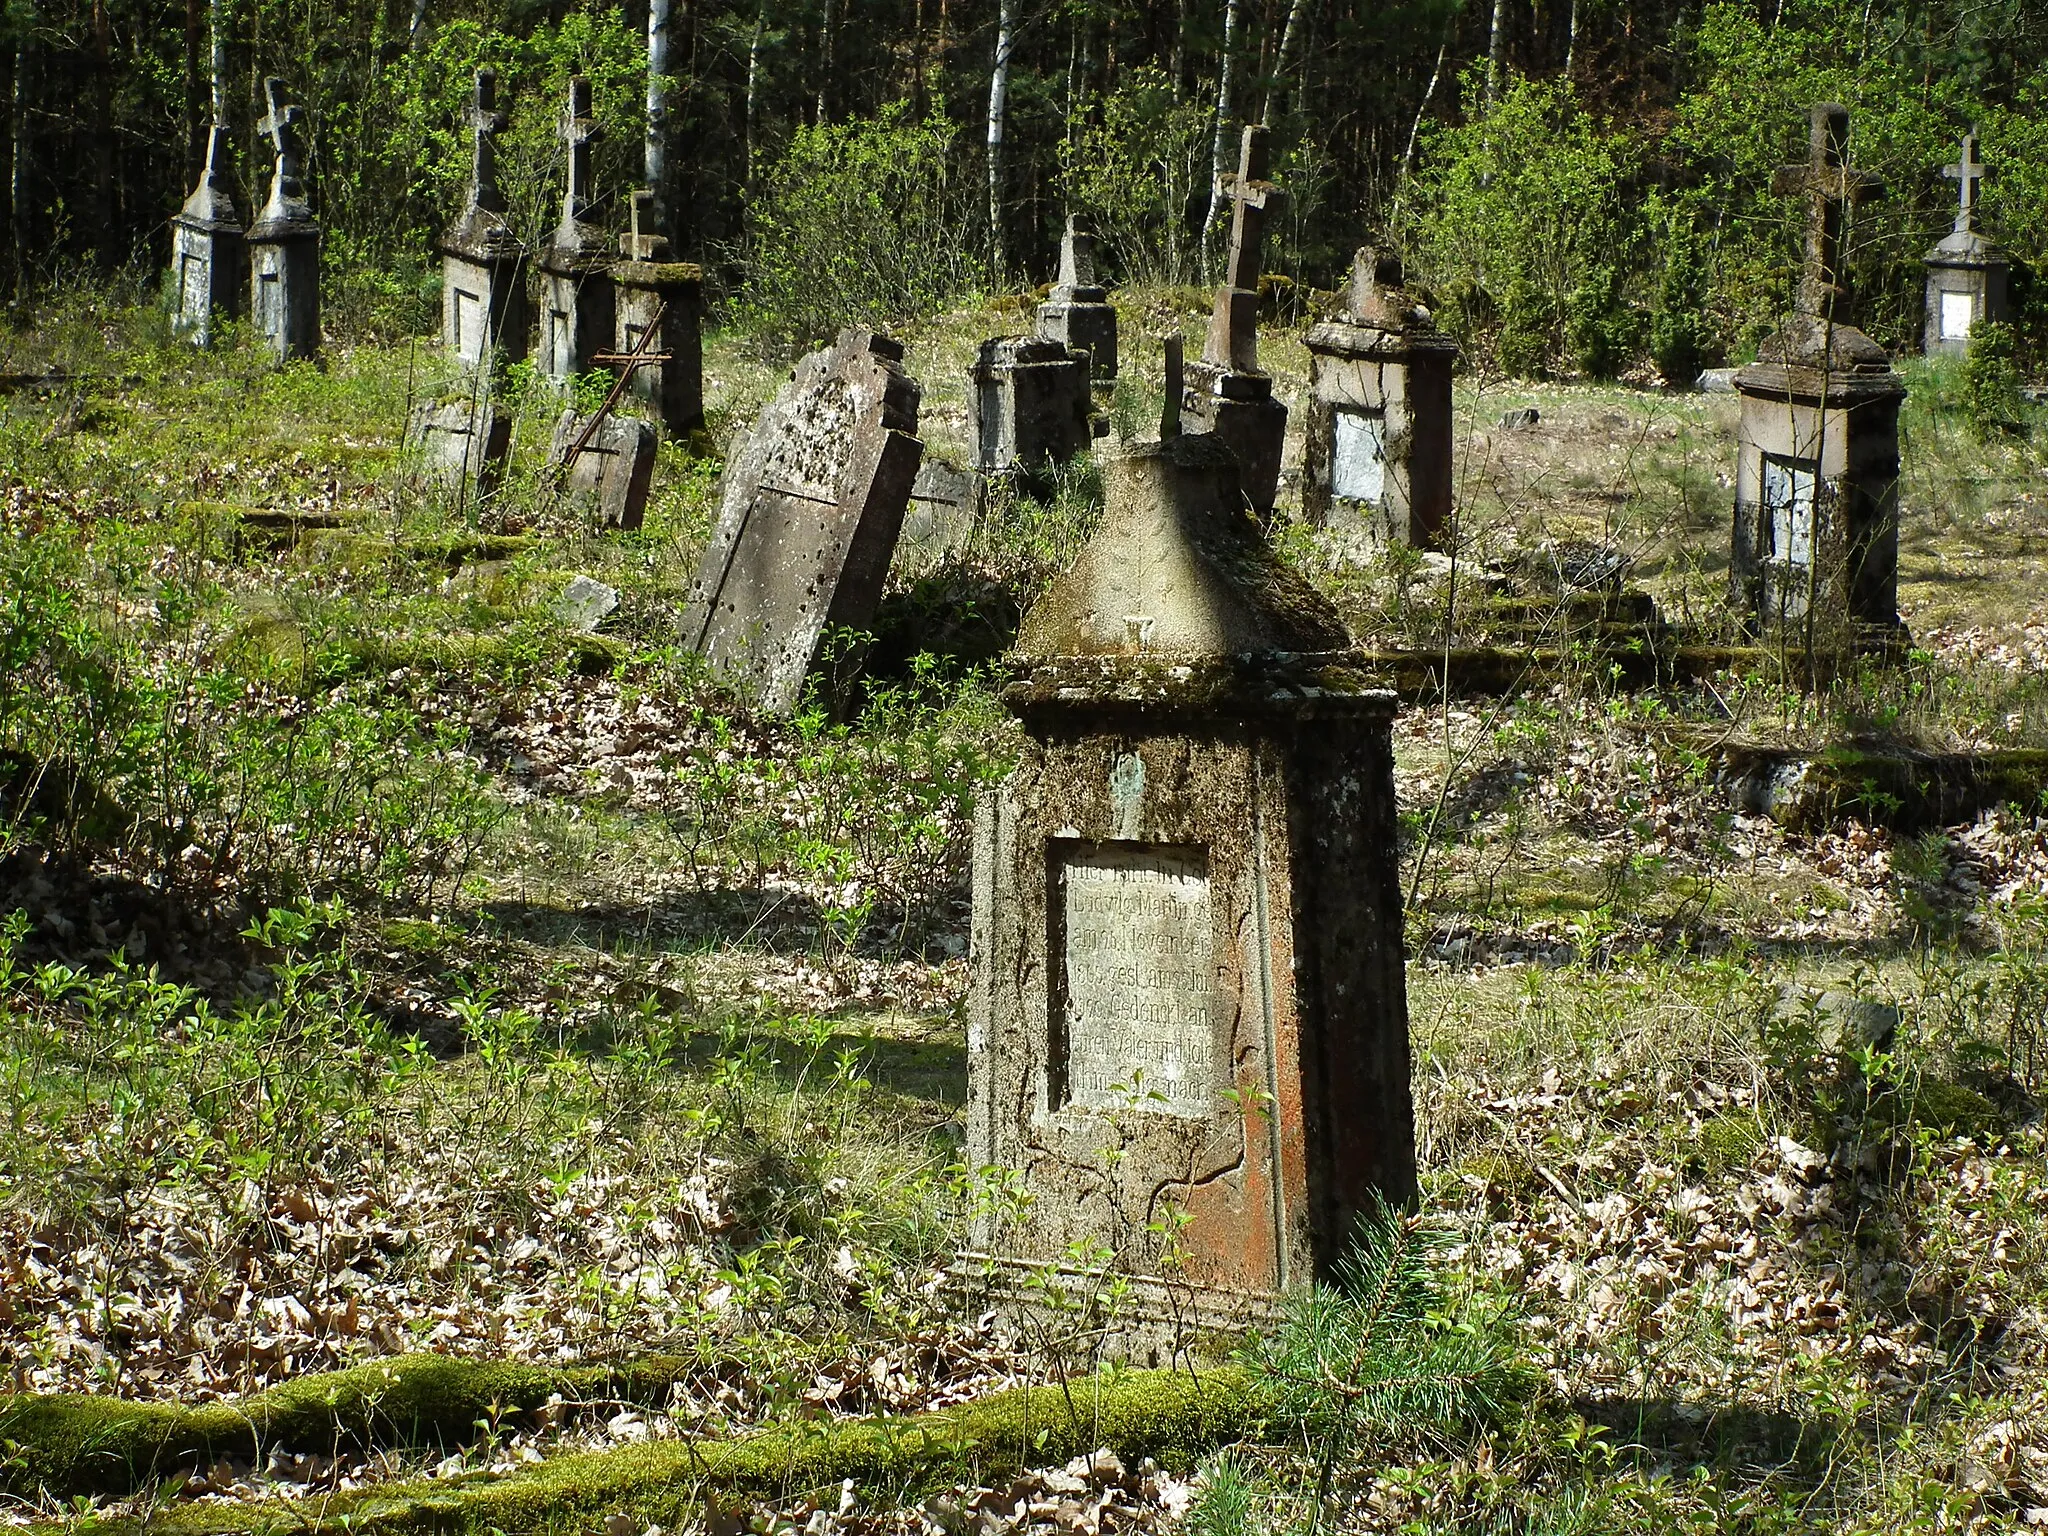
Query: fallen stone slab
1878, 783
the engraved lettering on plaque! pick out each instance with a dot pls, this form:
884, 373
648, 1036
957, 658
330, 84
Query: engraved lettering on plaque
1358, 457
1136, 978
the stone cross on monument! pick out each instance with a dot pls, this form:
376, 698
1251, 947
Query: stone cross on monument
578, 132
1830, 188
486, 122
1966, 173
281, 127
1251, 196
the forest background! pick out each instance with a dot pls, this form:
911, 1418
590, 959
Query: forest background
1582, 185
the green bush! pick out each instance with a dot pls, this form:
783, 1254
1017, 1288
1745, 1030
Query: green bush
1134, 163
1605, 331
1991, 382
1679, 331
862, 222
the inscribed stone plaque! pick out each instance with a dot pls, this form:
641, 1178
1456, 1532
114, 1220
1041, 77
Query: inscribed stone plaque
1958, 311
1788, 495
1136, 975
1358, 457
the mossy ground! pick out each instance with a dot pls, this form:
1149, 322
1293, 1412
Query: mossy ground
649, 1031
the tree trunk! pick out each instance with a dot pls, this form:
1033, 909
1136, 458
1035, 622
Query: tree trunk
753, 87
827, 41
219, 18
1496, 49
1571, 41
1226, 112
1283, 66
1415, 131
101, 137
17, 140
654, 152
998, 111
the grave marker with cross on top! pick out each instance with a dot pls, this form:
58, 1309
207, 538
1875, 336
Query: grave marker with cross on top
1967, 274
484, 311
209, 248
659, 314
284, 245
1830, 189
578, 320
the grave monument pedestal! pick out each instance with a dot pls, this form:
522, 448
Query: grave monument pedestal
1188, 1012
1377, 451
1968, 277
1228, 394
485, 316
579, 303
284, 243
1816, 527
666, 296
1029, 406
209, 249
1078, 314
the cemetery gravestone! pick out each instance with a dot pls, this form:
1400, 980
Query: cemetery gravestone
209, 248
1816, 533
1188, 1008
284, 243
607, 468
665, 297
811, 512
1968, 277
1227, 393
578, 315
1028, 405
940, 522
1078, 314
484, 311
461, 446
1377, 451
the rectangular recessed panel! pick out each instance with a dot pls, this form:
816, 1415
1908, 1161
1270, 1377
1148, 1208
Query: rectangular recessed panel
1358, 457
1958, 312
469, 326
1136, 978
1788, 498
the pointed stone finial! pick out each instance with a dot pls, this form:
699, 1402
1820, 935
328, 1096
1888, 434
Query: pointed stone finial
213, 201
1077, 257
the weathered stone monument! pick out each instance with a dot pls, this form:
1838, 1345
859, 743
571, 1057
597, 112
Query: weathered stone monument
607, 466
1377, 450
485, 317
1227, 392
1967, 275
811, 512
663, 298
578, 305
1078, 314
1188, 1029
1028, 405
209, 249
284, 242
1816, 534
461, 446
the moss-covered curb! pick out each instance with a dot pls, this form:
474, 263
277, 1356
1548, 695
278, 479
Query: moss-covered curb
1172, 1416
65, 1443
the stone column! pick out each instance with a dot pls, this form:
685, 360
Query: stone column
1188, 1013
284, 243
578, 315
209, 249
1377, 449
485, 316
648, 285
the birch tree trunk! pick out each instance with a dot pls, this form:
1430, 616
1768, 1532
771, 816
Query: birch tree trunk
220, 19
998, 111
17, 139
1283, 66
1226, 111
753, 86
654, 151
1496, 49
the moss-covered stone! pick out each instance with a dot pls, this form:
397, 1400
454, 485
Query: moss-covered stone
1170, 1415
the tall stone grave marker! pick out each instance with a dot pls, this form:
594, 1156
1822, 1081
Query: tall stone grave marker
812, 509
1377, 451
284, 243
1078, 314
1228, 394
1188, 1011
579, 306
655, 293
1816, 537
209, 248
484, 312
1967, 275
1028, 405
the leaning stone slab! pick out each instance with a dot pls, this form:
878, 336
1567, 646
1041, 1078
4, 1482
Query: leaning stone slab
461, 446
613, 471
813, 507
